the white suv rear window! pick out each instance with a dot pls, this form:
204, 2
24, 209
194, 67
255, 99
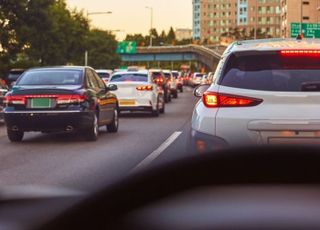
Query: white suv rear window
272, 72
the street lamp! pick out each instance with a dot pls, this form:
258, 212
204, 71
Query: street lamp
93, 13
151, 23
256, 19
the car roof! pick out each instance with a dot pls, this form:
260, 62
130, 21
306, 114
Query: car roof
132, 72
104, 70
60, 68
273, 45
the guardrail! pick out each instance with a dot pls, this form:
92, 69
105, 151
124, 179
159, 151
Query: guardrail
208, 56
182, 49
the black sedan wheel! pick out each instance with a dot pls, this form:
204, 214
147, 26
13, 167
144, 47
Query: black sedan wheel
15, 136
162, 109
114, 125
93, 131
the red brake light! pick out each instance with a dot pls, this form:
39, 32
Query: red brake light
145, 88
215, 100
15, 100
70, 99
298, 53
159, 80
60, 99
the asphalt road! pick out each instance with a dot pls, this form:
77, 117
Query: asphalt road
67, 160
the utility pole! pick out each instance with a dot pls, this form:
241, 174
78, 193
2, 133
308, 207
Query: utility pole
86, 52
151, 23
301, 12
256, 19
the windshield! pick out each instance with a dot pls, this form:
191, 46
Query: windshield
51, 77
129, 77
95, 91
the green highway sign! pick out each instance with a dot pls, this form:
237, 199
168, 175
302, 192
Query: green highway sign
127, 47
310, 30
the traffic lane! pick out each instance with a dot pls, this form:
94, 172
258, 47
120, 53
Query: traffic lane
176, 150
68, 160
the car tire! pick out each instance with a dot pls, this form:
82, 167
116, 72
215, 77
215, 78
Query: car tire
93, 132
175, 94
15, 136
155, 113
166, 96
162, 110
114, 125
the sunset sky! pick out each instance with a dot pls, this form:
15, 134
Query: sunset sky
131, 16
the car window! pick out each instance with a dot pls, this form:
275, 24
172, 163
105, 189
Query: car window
91, 80
175, 75
198, 75
104, 75
271, 72
51, 77
167, 75
129, 77
101, 84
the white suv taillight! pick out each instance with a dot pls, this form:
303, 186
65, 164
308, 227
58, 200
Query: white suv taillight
215, 100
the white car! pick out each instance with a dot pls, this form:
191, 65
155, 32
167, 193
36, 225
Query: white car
179, 79
104, 74
266, 92
137, 92
196, 79
172, 83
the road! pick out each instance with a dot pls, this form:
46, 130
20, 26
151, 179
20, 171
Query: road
67, 160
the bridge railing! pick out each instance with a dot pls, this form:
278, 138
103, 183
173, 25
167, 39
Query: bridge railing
216, 53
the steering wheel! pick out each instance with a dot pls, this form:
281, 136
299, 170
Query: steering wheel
251, 165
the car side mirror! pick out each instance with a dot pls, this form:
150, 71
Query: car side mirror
112, 87
200, 89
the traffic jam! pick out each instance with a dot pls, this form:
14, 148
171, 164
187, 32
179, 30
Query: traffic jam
81, 99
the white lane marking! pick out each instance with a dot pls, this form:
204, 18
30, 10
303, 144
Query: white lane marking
152, 156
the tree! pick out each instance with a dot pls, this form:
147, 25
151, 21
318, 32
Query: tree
139, 38
171, 37
102, 47
55, 36
11, 22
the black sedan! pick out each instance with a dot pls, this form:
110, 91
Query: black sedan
60, 99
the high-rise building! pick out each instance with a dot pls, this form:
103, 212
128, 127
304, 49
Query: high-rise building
196, 19
211, 18
298, 11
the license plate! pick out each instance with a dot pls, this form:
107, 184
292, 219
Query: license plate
127, 102
40, 103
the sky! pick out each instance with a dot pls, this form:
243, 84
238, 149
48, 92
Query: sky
131, 16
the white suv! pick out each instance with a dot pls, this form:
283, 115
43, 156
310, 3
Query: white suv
265, 92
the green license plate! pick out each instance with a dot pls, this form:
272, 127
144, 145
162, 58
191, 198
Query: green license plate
41, 103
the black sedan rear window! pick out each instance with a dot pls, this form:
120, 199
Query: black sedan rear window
272, 72
51, 77
129, 77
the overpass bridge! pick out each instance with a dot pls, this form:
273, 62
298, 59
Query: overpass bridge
208, 56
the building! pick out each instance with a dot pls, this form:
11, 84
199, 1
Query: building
298, 11
196, 19
212, 18
182, 34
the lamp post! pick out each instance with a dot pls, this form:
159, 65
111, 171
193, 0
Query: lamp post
301, 19
88, 14
256, 19
151, 23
